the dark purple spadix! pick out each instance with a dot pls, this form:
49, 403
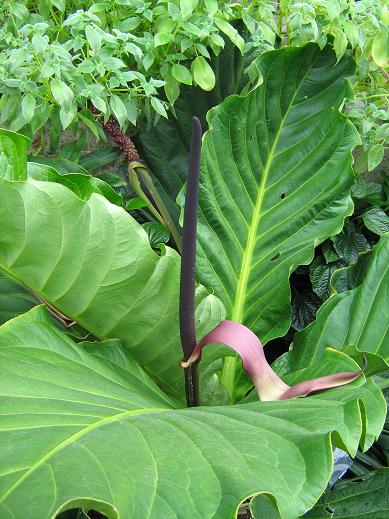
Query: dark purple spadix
188, 263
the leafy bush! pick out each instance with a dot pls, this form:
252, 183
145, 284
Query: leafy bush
132, 58
116, 55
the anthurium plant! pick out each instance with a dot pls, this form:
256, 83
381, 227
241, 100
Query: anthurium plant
94, 409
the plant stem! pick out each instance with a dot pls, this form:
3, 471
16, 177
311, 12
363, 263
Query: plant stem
136, 186
372, 96
188, 265
192, 386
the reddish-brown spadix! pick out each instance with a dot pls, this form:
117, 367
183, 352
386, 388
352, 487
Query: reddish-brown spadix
268, 384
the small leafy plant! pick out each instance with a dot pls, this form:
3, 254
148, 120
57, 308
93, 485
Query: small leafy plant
100, 386
118, 56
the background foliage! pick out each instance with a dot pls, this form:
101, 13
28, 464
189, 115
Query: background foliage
130, 58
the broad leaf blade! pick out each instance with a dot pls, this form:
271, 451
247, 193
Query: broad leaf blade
352, 321
62, 166
69, 406
81, 184
276, 175
93, 262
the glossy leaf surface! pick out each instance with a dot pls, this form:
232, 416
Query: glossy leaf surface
275, 181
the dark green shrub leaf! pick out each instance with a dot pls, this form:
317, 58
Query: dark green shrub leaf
349, 243
376, 220
304, 307
157, 233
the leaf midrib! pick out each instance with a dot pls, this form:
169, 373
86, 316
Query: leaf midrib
241, 288
73, 438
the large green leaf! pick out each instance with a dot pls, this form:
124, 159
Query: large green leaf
92, 261
275, 181
368, 499
14, 166
352, 321
84, 426
63, 166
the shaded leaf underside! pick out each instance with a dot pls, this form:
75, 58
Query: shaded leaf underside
14, 299
165, 146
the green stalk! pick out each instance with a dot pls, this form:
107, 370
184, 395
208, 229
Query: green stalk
228, 376
136, 186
